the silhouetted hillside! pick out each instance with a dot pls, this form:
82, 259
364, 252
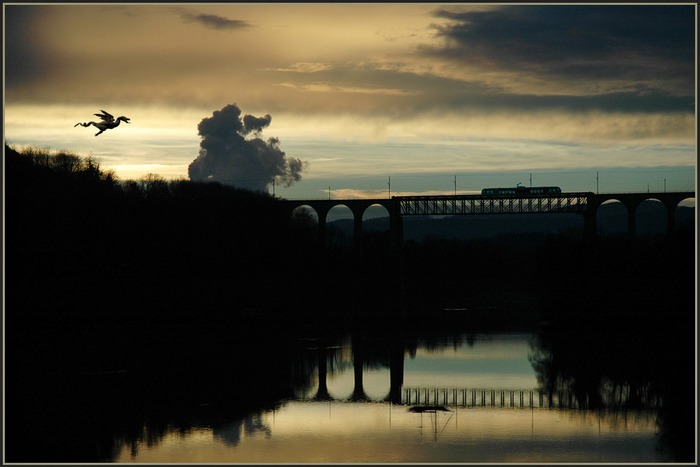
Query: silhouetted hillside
80, 242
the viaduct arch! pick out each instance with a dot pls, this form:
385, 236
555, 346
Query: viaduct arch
631, 202
356, 206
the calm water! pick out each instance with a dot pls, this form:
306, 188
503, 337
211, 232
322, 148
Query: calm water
337, 414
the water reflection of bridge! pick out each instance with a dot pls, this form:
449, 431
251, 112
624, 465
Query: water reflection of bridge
464, 397
480, 397
431, 396
399, 394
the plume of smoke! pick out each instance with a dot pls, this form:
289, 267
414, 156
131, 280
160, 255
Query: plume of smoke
232, 152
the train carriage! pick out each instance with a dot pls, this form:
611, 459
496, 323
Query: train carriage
522, 190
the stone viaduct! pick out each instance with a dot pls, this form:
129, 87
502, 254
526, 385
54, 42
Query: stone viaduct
586, 204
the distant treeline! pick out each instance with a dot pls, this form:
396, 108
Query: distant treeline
71, 174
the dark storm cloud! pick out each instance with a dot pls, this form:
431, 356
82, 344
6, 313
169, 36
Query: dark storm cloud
439, 94
215, 21
227, 156
25, 61
636, 100
643, 43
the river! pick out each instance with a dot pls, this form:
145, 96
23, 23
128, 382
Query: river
333, 421
600, 368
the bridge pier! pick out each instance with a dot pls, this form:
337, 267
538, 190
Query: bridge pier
395, 225
670, 219
357, 229
590, 224
322, 235
631, 221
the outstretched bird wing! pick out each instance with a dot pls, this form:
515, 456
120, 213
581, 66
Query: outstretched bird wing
105, 116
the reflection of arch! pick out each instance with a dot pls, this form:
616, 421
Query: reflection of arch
363, 355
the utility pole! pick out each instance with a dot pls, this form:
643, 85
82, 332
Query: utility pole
664, 185
389, 187
597, 184
530, 179
329, 192
455, 185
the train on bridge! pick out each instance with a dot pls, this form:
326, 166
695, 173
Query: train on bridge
520, 190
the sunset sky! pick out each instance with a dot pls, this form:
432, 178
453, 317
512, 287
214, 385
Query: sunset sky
430, 98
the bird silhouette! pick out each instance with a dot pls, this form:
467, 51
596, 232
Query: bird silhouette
108, 122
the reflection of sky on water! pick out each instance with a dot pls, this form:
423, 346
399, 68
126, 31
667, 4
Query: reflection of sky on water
323, 432
491, 362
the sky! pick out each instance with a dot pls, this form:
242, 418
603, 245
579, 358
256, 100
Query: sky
350, 100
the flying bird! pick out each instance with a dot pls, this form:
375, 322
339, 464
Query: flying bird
108, 122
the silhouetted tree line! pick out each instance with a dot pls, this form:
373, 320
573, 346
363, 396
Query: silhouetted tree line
78, 237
